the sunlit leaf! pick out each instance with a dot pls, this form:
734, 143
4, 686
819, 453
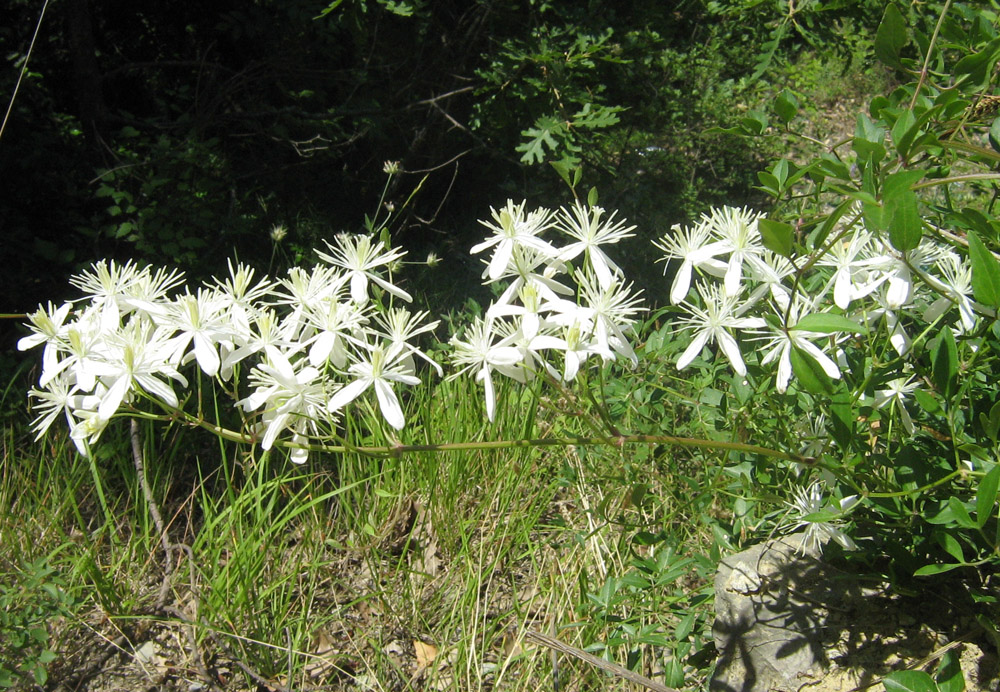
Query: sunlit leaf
776, 236
986, 496
829, 323
985, 273
810, 373
890, 36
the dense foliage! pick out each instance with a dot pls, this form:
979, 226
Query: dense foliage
180, 135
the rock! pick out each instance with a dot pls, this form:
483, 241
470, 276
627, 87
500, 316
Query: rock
786, 621
767, 628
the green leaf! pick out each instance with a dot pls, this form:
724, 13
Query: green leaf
596, 117
755, 122
985, 273
831, 222
949, 675
945, 362
786, 106
900, 211
986, 496
780, 172
868, 139
829, 323
950, 545
40, 674
776, 236
890, 36
685, 626
900, 129
770, 184
768, 49
843, 419
569, 174
936, 568
546, 129
673, 672
995, 134
592, 197
976, 66
926, 401
809, 373
960, 513
991, 423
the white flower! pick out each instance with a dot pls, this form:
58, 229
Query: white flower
894, 395
379, 369
82, 350
240, 296
770, 269
335, 324
576, 348
200, 321
305, 291
264, 334
610, 312
292, 397
955, 287
897, 267
400, 326
107, 285
511, 229
47, 326
898, 337
852, 260
737, 228
809, 501
691, 246
59, 397
591, 232
479, 354
713, 323
360, 257
529, 346
137, 356
783, 339
523, 268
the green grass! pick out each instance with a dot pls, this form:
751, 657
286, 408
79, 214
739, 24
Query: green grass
418, 571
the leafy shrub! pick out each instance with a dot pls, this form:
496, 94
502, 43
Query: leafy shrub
28, 606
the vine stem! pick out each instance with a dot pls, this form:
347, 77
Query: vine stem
579, 441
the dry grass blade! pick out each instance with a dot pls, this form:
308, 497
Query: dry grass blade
612, 668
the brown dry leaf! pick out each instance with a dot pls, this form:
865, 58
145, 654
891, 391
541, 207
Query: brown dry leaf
426, 653
323, 662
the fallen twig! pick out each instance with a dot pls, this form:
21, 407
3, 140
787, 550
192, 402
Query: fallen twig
612, 668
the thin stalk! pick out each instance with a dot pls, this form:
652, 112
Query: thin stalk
154, 512
606, 440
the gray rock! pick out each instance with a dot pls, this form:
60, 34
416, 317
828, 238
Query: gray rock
786, 621
769, 627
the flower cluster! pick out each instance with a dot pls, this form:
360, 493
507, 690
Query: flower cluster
745, 293
314, 342
792, 308
537, 314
